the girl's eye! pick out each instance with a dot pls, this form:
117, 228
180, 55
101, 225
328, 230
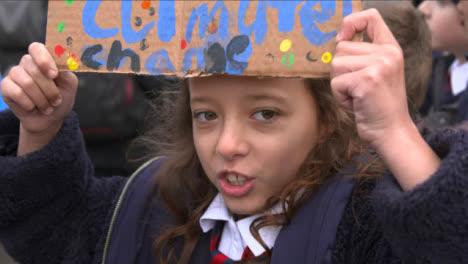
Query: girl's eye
206, 116
265, 115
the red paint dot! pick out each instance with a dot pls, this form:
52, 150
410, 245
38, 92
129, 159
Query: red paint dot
146, 4
59, 50
183, 44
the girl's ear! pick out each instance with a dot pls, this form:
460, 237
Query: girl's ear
324, 132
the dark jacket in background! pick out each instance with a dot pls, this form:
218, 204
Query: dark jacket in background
52, 210
440, 107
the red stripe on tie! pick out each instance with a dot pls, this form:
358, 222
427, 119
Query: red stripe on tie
214, 242
219, 259
247, 254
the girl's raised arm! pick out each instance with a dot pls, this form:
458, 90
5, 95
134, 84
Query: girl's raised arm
52, 208
368, 79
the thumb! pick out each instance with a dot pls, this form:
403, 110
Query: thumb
67, 81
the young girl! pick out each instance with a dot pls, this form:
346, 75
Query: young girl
264, 170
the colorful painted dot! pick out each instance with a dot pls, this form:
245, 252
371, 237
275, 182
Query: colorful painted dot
69, 2
212, 29
288, 59
72, 63
59, 50
61, 27
285, 45
146, 4
327, 57
183, 44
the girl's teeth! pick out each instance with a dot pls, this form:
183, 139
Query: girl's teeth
235, 179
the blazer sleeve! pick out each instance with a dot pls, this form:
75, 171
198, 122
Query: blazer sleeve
429, 224
52, 209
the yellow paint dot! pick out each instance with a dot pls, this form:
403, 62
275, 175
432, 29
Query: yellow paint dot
327, 57
285, 45
72, 64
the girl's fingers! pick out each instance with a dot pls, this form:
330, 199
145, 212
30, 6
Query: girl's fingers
341, 87
47, 86
345, 64
23, 80
44, 60
370, 21
354, 48
13, 94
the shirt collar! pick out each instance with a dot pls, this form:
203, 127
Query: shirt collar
218, 211
459, 77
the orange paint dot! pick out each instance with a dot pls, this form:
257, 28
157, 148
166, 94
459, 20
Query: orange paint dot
212, 29
146, 4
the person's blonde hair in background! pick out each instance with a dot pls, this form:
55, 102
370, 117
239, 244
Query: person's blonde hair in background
412, 33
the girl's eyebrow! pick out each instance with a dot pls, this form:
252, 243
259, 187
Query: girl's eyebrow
265, 97
200, 99
246, 98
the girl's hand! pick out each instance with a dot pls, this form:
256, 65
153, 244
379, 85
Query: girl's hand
368, 79
39, 96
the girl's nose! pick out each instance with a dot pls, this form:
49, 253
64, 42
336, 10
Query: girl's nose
232, 143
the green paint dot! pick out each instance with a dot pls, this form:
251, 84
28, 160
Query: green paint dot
69, 2
288, 59
60, 27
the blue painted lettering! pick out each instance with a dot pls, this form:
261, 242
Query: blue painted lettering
128, 34
189, 54
167, 20
159, 62
347, 7
238, 52
89, 22
286, 14
310, 17
259, 26
205, 19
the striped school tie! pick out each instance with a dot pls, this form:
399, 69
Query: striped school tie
219, 258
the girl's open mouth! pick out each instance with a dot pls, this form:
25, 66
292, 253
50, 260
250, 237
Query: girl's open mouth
234, 184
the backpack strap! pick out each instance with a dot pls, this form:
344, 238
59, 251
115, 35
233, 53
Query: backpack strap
127, 227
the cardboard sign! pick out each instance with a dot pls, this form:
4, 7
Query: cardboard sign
191, 38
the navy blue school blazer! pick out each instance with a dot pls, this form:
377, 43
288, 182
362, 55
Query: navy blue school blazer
308, 239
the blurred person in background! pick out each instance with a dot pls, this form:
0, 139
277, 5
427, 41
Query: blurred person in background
414, 37
446, 100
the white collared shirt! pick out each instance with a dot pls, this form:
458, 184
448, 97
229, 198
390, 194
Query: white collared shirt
236, 235
458, 77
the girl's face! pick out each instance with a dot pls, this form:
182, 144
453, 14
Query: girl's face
252, 135
446, 24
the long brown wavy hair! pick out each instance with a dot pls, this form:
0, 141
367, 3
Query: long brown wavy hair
186, 191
